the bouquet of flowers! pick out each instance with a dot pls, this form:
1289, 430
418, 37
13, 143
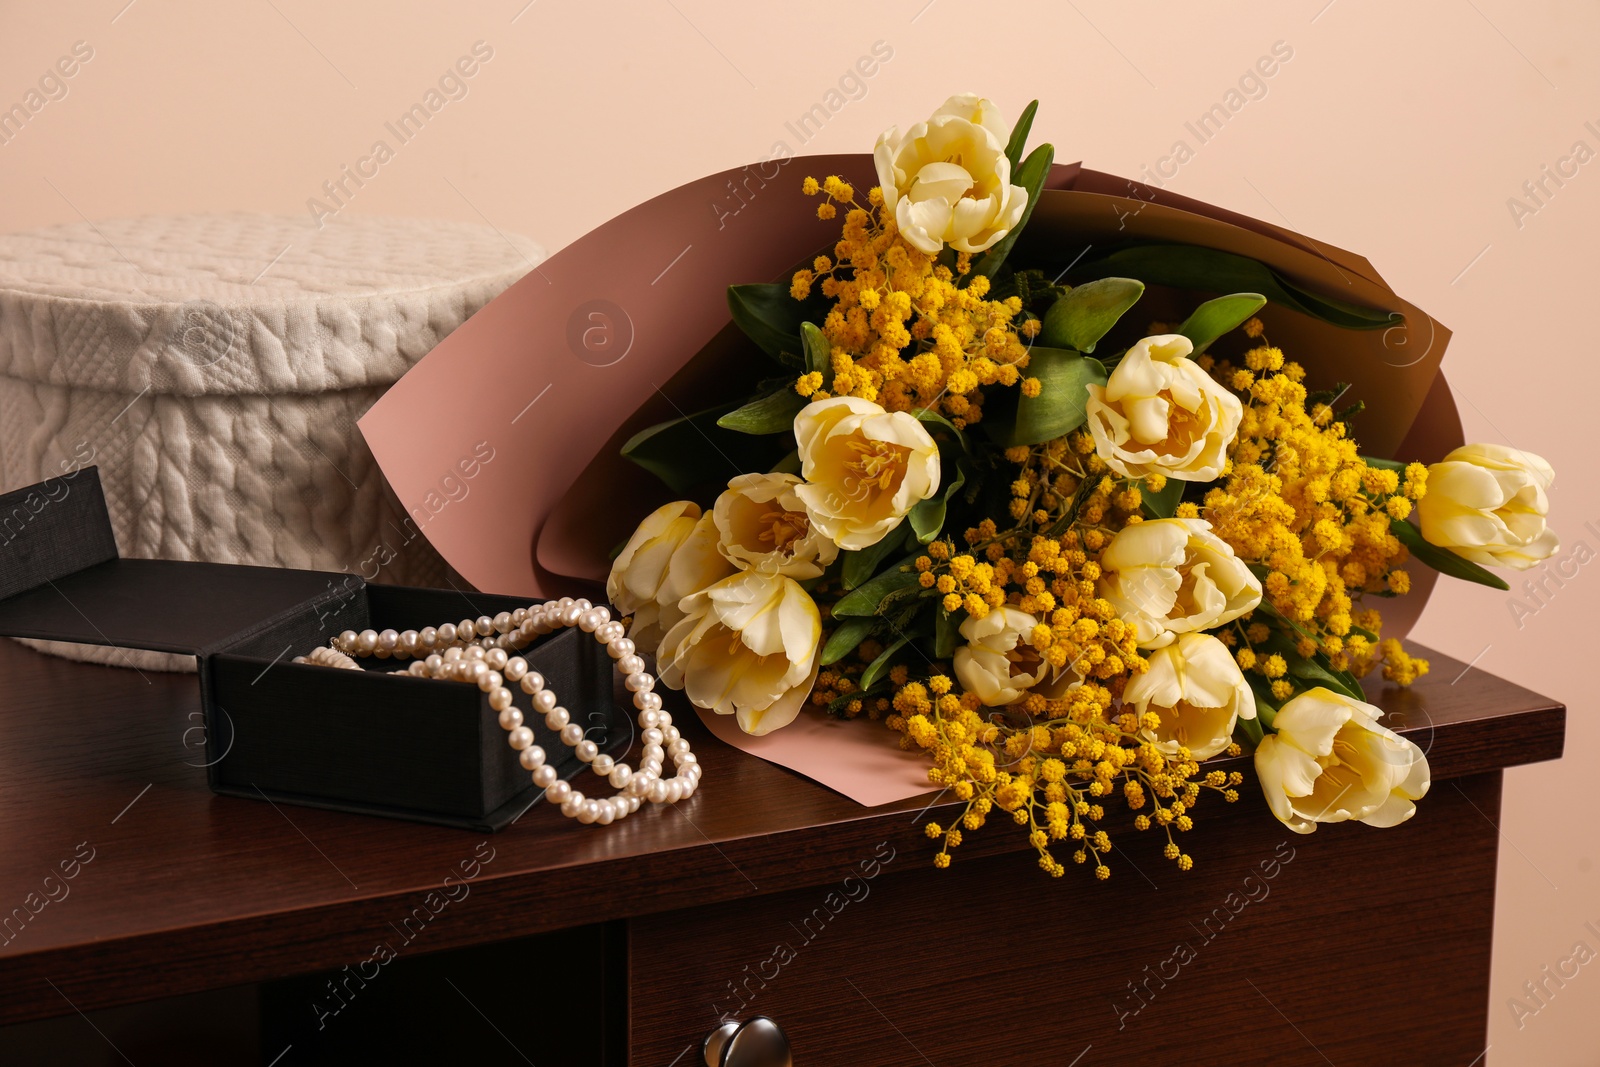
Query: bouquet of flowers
1068, 553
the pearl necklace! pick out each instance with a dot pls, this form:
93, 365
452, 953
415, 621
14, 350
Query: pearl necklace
482, 652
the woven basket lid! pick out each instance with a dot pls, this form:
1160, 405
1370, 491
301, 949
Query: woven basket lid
242, 303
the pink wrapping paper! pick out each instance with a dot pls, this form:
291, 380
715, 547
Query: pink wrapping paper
629, 326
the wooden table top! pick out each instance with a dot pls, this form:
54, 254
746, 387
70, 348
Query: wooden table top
187, 890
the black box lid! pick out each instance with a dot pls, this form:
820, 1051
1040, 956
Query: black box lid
61, 579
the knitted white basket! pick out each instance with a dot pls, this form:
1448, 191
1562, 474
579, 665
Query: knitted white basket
214, 366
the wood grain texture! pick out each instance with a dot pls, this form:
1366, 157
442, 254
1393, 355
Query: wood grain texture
206, 891
1349, 946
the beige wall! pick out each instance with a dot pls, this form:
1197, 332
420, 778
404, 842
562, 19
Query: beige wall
1399, 131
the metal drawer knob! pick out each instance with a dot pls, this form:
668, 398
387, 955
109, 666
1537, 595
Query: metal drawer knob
756, 1042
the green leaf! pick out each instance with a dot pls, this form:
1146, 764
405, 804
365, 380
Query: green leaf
946, 633
684, 452
1216, 317
1019, 135
871, 597
1442, 559
1386, 464
1162, 505
845, 639
819, 354
927, 516
1064, 378
789, 463
771, 317
1313, 670
1087, 312
1209, 270
773, 413
1266, 704
1252, 729
933, 418
881, 664
863, 563
1031, 176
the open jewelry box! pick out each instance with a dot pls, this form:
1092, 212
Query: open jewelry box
359, 741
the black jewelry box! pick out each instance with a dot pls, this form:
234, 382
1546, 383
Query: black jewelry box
358, 741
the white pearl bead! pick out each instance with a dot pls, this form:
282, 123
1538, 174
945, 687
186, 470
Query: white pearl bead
630, 664
545, 777
367, 640
581, 604
638, 785
620, 775
586, 750
649, 719
605, 814
602, 764
570, 616
520, 738
687, 759
447, 633
651, 736
433, 663
589, 812
510, 719
677, 748
348, 638
484, 625
633, 804
556, 791
570, 806
544, 700
497, 659
488, 679
653, 753
674, 791
500, 698
689, 785
670, 733
622, 646
502, 622
473, 652
571, 734
588, 622
647, 701
640, 683
408, 640
556, 719
531, 758
658, 792
428, 637
388, 640
516, 667
452, 655
610, 632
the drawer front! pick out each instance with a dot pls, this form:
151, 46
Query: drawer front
1351, 945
